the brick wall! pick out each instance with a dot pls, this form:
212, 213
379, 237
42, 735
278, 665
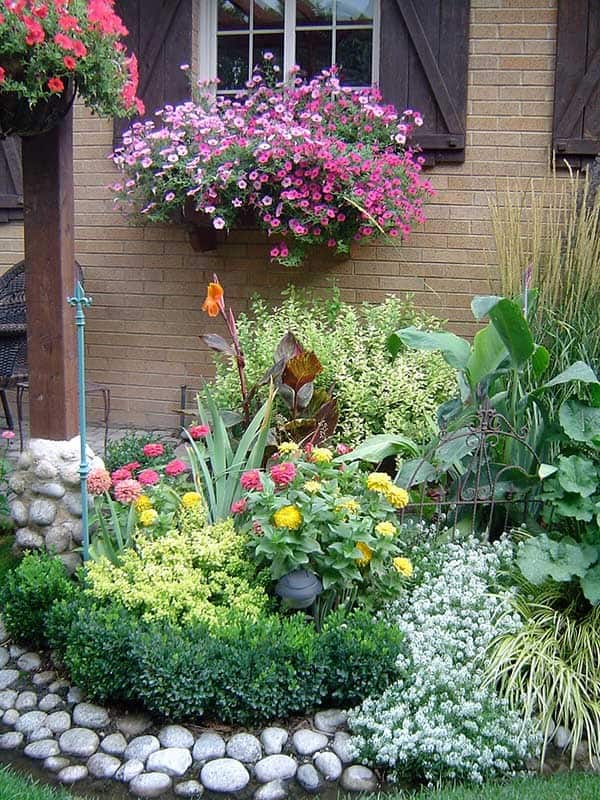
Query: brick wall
148, 284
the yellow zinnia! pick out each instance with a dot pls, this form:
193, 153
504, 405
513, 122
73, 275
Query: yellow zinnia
397, 497
367, 554
143, 503
191, 499
312, 487
403, 566
386, 529
379, 482
321, 455
288, 448
148, 517
287, 517
350, 505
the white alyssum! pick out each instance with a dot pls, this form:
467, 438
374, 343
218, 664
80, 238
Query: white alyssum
439, 720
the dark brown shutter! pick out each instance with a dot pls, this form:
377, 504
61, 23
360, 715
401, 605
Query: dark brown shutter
11, 180
577, 82
160, 34
424, 60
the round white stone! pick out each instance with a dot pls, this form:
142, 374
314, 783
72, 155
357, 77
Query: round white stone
103, 766
133, 724
330, 720
129, 770
11, 740
10, 717
42, 749
72, 774
16, 650
43, 678
342, 747
56, 763
176, 736
7, 699
244, 747
308, 778
329, 765
141, 747
358, 779
150, 784
273, 740
173, 761
8, 677
58, 722
274, 790
307, 742
276, 767
40, 733
224, 775
42, 512
74, 695
26, 701
58, 686
115, 744
49, 702
189, 789
4, 657
87, 715
29, 662
79, 742
30, 721
209, 746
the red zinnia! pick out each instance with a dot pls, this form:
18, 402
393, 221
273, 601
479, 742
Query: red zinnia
198, 431
69, 62
175, 467
56, 85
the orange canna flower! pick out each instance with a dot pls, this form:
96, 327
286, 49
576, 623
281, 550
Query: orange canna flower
214, 299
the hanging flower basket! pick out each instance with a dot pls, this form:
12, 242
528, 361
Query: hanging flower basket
17, 118
313, 164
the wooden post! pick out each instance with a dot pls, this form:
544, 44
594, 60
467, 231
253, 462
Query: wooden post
49, 278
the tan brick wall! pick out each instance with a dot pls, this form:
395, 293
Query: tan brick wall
148, 284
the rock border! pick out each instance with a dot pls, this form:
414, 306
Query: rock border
46, 719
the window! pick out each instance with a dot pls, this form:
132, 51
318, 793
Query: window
235, 34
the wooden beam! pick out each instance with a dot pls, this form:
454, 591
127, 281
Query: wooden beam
49, 279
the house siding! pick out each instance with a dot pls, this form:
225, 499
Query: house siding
148, 284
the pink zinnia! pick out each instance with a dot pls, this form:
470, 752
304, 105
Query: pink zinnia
148, 477
99, 481
153, 450
132, 466
251, 480
121, 474
8, 434
175, 468
198, 431
128, 491
343, 449
283, 474
239, 506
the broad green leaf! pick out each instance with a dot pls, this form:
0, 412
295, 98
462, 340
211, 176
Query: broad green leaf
376, 448
577, 475
414, 472
512, 327
540, 558
590, 583
454, 349
573, 506
540, 360
480, 306
580, 421
463, 443
578, 371
487, 354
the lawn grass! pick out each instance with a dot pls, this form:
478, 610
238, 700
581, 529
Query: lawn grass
565, 786
15, 787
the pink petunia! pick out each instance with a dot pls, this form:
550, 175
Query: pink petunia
283, 474
148, 477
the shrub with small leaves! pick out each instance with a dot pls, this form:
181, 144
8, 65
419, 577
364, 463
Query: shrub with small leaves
130, 449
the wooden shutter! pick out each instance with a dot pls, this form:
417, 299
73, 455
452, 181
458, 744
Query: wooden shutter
160, 34
423, 66
577, 82
11, 180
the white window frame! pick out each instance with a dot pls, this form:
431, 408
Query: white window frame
207, 38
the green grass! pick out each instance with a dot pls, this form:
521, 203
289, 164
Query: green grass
564, 786
7, 559
15, 787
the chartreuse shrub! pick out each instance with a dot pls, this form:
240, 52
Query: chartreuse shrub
373, 394
438, 720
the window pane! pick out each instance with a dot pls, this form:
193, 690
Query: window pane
232, 61
353, 55
268, 43
268, 14
354, 11
313, 51
317, 12
234, 16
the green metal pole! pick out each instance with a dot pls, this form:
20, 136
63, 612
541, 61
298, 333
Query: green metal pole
80, 301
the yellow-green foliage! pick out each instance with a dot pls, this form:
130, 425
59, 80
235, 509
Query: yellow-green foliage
192, 575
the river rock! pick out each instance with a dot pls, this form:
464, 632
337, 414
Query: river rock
30, 721
129, 770
45, 469
562, 737
189, 789
150, 784
58, 722
74, 695
87, 715
176, 736
56, 687
329, 765
141, 747
307, 742
225, 775
209, 746
72, 502
103, 766
273, 740
16, 650
7, 699
42, 512
40, 733
115, 744
11, 740
79, 742
4, 657
275, 767
56, 763
42, 749
244, 747
49, 702
26, 701
73, 774
58, 538
19, 513
358, 779
52, 490
132, 725
308, 778
329, 721
274, 790
8, 677
173, 761
342, 747
43, 678
10, 717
